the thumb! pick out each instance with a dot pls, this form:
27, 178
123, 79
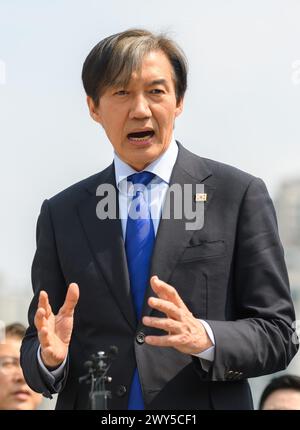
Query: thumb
71, 299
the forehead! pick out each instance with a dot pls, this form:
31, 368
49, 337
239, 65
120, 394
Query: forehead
283, 399
11, 347
153, 66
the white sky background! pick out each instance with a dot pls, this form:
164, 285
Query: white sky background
242, 106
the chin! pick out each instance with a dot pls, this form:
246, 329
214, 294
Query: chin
26, 406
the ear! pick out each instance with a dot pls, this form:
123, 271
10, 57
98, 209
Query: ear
94, 110
179, 108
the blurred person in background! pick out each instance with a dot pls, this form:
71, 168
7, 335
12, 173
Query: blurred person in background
14, 392
281, 393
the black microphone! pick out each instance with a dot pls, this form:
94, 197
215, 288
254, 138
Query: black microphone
98, 366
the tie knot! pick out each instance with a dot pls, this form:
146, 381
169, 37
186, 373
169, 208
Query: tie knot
141, 178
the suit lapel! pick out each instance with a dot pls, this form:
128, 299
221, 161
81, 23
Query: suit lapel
106, 239
107, 245
172, 236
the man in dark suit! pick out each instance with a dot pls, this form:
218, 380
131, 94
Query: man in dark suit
194, 310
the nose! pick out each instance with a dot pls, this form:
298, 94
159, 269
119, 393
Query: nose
18, 374
140, 108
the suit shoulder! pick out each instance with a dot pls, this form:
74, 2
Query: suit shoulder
227, 172
221, 172
229, 180
77, 191
234, 182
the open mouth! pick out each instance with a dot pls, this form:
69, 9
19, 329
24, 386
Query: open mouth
141, 136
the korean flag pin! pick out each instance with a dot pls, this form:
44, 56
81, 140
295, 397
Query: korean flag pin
200, 197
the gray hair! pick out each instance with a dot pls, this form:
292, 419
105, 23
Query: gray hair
112, 61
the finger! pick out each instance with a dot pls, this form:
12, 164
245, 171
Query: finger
44, 303
71, 300
39, 319
160, 340
44, 337
167, 324
171, 310
166, 291
173, 341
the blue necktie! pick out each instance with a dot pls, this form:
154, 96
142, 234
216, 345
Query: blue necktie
139, 243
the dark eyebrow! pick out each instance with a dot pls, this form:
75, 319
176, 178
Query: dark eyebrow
158, 82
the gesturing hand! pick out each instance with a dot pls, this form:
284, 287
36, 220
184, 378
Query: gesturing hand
54, 331
185, 333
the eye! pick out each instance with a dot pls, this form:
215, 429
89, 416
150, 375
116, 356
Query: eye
156, 91
121, 93
7, 363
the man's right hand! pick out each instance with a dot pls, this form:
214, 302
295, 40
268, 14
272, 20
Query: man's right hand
54, 331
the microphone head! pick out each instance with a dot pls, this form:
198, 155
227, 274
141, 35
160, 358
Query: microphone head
88, 364
113, 351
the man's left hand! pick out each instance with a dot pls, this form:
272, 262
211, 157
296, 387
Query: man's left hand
185, 332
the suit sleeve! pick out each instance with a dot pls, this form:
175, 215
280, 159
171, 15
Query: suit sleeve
46, 275
260, 340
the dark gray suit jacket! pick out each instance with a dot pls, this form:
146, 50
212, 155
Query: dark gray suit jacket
230, 273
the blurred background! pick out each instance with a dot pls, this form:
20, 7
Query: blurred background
242, 108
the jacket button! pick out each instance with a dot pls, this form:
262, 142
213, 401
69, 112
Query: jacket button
121, 391
140, 338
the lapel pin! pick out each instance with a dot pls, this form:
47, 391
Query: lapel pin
200, 197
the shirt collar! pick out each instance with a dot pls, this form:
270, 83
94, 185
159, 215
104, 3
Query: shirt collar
162, 167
